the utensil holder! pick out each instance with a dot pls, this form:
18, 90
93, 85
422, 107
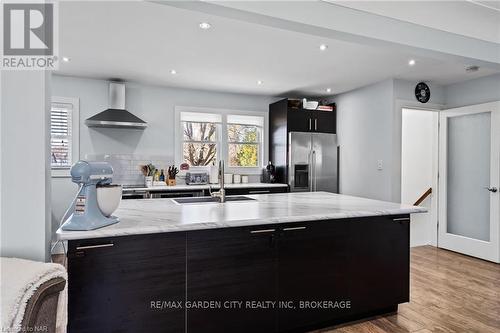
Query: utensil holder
148, 181
171, 182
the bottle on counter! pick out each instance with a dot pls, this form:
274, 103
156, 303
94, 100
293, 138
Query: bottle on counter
213, 177
162, 176
270, 173
157, 175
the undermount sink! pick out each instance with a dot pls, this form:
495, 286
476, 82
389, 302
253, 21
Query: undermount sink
210, 199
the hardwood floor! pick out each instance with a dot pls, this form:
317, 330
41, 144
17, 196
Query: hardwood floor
449, 293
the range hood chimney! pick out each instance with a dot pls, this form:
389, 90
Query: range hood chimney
116, 116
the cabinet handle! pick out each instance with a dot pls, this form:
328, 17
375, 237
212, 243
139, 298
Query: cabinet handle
257, 192
315, 124
94, 246
294, 228
310, 124
401, 219
262, 231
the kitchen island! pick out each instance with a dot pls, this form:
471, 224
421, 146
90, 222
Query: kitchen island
279, 263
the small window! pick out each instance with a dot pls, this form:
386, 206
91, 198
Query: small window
64, 134
244, 140
200, 132
61, 135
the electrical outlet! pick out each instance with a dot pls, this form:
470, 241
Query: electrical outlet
380, 165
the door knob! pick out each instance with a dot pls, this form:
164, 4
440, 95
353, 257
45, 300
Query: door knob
491, 189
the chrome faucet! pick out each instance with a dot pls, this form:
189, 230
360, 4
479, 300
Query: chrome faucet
221, 193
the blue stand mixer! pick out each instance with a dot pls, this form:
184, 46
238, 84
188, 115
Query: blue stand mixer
86, 213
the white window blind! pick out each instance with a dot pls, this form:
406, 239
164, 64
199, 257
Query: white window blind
201, 117
61, 135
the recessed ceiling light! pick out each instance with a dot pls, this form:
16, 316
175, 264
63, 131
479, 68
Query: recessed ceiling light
328, 90
205, 25
412, 62
323, 47
66, 59
173, 71
259, 82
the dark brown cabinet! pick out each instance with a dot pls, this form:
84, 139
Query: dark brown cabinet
317, 273
311, 121
314, 268
300, 121
256, 190
113, 282
381, 249
234, 264
324, 122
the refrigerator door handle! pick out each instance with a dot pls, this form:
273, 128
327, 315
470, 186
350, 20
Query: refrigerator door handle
314, 185
310, 180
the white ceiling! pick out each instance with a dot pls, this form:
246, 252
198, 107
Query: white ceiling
477, 19
143, 41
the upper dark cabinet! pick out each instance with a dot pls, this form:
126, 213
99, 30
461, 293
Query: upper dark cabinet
301, 120
324, 122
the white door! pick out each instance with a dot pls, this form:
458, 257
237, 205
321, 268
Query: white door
469, 172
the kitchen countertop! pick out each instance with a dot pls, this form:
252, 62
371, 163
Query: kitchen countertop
164, 215
202, 187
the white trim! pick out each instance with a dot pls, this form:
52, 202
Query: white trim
399, 105
223, 149
432, 232
75, 133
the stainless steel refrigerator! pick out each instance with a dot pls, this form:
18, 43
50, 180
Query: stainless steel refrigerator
313, 162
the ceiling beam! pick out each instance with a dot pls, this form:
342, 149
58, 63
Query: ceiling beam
327, 20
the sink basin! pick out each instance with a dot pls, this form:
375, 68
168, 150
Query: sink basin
210, 199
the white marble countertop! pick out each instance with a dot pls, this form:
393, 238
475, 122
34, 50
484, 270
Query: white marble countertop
202, 187
163, 215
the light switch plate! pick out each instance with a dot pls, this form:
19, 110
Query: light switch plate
380, 165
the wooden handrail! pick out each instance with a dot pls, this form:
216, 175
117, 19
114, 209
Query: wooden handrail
423, 197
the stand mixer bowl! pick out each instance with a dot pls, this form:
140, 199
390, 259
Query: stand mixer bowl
108, 198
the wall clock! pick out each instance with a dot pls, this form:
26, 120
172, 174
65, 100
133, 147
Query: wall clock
422, 92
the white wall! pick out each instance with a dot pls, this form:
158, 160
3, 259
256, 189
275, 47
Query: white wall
364, 127
25, 169
153, 104
477, 91
369, 130
419, 147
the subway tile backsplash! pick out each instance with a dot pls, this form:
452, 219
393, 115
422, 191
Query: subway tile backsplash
126, 167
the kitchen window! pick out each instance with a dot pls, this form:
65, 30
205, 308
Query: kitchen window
244, 137
200, 134
205, 136
64, 134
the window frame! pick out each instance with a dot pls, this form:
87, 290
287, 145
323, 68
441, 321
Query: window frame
258, 143
217, 140
222, 138
75, 134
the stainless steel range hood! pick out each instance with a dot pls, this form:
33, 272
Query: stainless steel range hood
116, 116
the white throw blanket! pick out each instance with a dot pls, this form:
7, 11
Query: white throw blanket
19, 279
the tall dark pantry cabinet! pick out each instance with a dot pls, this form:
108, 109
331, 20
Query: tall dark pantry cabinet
283, 120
